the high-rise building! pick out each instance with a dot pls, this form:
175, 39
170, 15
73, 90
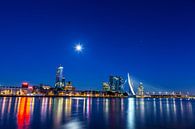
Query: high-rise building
63, 81
116, 83
60, 80
140, 90
105, 86
25, 85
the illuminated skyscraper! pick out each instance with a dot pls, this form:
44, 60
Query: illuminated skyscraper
60, 80
140, 90
105, 86
116, 83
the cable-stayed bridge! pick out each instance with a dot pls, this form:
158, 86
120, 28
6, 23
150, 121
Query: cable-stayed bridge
149, 90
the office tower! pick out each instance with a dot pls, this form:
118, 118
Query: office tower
60, 80
141, 89
116, 83
105, 86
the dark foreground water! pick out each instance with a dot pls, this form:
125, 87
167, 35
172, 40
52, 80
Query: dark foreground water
96, 113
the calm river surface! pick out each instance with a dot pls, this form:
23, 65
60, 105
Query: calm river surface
95, 113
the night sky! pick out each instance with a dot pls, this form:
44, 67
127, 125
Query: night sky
153, 40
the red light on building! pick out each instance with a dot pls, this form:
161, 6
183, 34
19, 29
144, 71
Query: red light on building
25, 85
30, 88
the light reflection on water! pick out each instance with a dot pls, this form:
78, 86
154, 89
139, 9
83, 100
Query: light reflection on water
95, 113
131, 114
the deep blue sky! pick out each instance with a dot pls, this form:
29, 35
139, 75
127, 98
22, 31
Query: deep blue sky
153, 40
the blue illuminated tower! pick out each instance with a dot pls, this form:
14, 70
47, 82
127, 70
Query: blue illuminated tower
60, 80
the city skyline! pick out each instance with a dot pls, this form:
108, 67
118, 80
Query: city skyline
97, 64
116, 83
154, 43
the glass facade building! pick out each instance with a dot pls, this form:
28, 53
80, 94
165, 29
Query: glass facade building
116, 83
60, 80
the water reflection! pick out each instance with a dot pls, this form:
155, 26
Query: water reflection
44, 105
87, 113
131, 114
141, 110
74, 124
68, 107
154, 108
190, 110
24, 114
174, 111
3, 106
167, 110
58, 111
88, 107
106, 109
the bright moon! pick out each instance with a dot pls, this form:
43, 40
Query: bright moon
78, 48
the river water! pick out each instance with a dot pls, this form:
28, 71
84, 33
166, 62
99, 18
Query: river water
95, 113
